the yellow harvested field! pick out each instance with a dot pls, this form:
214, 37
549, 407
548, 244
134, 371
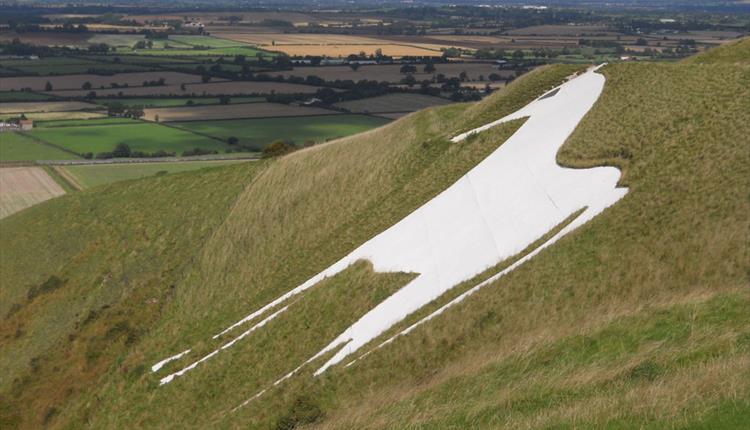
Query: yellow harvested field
211, 88
331, 45
76, 81
22, 187
246, 110
53, 116
29, 107
346, 50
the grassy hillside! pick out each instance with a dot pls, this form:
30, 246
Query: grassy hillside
737, 52
130, 266
641, 318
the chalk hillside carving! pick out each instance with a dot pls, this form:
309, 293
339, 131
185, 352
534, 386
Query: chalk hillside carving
511, 199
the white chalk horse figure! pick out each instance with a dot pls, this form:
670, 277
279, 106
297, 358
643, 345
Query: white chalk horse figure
504, 204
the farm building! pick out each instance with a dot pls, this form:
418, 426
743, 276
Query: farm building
26, 124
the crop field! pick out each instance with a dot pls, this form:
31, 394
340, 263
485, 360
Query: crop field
189, 51
176, 102
198, 90
66, 115
391, 72
92, 175
390, 103
83, 122
22, 187
76, 81
341, 51
332, 45
140, 59
139, 136
244, 110
47, 39
23, 96
259, 132
206, 41
63, 65
29, 107
18, 147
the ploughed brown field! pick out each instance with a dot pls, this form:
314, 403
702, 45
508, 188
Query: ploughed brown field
66, 82
234, 111
47, 39
22, 187
391, 72
211, 88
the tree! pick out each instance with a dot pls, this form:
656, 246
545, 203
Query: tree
232, 140
183, 87
408, 68
122, 150
463, 76
278, 147
156, 118
205, 78
429, 68
517, 54
354, 66
409, 80
224, 100
86, 85
48, 86
189, 103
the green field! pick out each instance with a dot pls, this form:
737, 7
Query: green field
24, 96
171, 102
91, 175
140, 136
207, 41
64, 65
259, 132
17, 147
84, 122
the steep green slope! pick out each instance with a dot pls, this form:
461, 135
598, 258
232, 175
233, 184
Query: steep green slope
104, 283
641, 318
737, 52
